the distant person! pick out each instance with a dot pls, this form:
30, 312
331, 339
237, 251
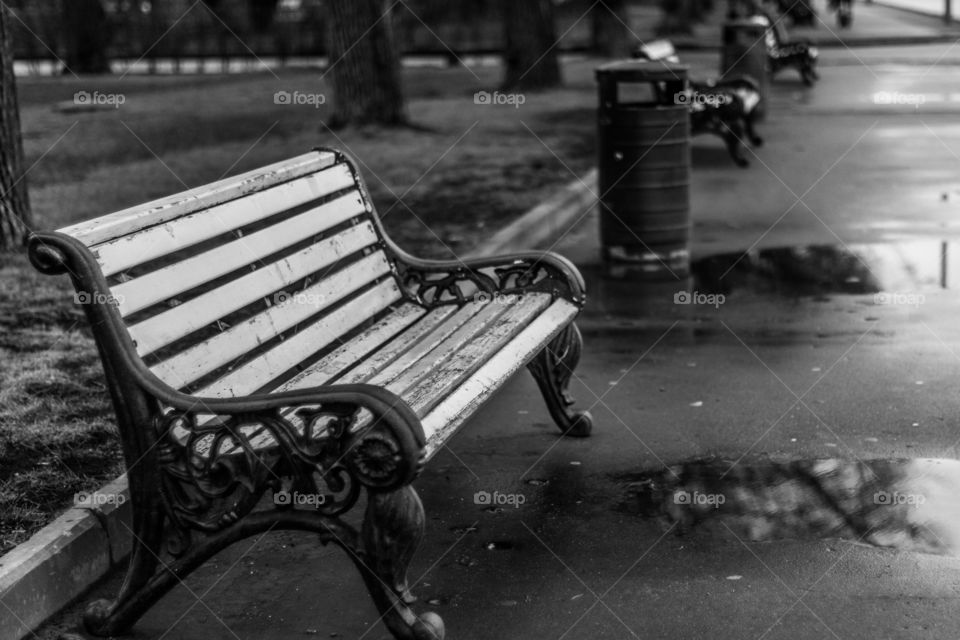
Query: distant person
844, 9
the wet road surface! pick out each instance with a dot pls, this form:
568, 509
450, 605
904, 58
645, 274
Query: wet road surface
801, 371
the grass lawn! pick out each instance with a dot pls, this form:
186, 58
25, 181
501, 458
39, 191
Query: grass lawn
440, 190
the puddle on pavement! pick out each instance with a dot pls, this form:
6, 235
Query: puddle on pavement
832, 269
908, 504
904, 269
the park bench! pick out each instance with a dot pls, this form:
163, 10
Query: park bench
726, 107
275, 360
784, 52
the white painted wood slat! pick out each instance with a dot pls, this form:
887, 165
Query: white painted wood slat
202, 358
436, 320
433, 383
159, 240
439, 344
354, 351
284, 356
404, 372
127, 221
172, 324
162, 284
447, 416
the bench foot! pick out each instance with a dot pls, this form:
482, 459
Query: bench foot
552, 368
392, 531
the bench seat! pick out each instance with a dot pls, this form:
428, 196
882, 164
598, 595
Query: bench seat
443, 364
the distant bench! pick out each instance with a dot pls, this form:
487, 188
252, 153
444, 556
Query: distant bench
725, 107
270, 351
784, 52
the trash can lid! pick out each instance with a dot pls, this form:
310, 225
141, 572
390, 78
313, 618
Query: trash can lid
643, 70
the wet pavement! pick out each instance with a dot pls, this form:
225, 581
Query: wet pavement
930, 7
805, 370
873, 23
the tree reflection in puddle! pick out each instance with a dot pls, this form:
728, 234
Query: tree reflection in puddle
907, 504
830, 269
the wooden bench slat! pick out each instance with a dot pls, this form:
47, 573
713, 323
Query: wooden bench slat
258, 373
157, 286
460, 327
435, 381
205, 357
399, 381
387, 335
447, 416
153, 242
433, 321
127, 221
173, 324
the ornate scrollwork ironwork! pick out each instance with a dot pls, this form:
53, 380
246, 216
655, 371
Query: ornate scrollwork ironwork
216, 473
552, 369
447, 283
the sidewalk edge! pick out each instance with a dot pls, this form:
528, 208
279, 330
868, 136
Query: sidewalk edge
44, 574
535, 228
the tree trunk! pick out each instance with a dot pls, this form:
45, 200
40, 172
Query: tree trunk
14, 202
364, 64
611, 34
531, 45
86, 35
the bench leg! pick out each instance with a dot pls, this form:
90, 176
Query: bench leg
108, 617
552, 368
392, 530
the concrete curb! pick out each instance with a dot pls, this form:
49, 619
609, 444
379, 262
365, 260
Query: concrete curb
63, 560
552, 217
60, 562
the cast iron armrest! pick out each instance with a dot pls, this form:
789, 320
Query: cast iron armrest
392, 423
435, 282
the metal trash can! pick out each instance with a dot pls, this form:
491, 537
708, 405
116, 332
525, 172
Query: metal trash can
644, 169
745, 53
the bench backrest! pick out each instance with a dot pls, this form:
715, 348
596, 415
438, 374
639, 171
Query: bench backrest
227, 288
